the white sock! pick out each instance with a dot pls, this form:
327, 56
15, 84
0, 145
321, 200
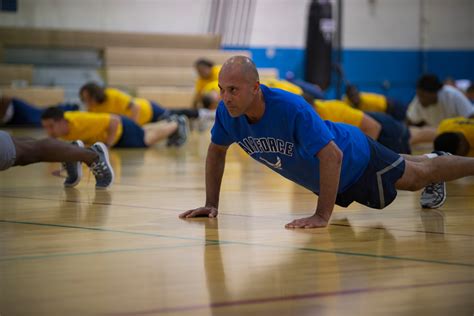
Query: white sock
207, 114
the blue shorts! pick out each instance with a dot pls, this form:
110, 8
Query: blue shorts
397, 109
133, 136
376, 187
394, 134
158, 112
25, 114
309, 88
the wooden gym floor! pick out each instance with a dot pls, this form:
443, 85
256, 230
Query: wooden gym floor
125, 252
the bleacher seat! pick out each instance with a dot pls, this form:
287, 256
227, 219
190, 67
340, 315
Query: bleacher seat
16, 74
34, 37
38, 96
160, 57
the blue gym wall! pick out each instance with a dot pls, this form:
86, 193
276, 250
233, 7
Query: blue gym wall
390, 72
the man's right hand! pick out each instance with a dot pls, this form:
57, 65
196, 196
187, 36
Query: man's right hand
206, 211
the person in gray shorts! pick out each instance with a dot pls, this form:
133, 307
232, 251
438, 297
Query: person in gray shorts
22, 151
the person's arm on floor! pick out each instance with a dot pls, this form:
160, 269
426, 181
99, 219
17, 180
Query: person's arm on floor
215, 164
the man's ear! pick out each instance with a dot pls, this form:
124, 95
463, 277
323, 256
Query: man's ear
256, 87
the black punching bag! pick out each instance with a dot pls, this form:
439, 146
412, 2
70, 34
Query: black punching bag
319, 43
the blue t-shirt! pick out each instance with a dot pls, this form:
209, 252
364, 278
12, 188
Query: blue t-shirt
288, 137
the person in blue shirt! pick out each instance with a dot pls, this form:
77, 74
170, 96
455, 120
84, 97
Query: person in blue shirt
336, 161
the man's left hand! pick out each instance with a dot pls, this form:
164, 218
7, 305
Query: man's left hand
314, 221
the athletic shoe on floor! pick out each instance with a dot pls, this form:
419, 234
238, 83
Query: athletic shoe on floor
101, 168
73, 169
434, 194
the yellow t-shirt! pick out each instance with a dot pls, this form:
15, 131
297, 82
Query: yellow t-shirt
283, 85
459, 125
118, 102
201, 83
338, 111
89, 127
210, 87
370, 102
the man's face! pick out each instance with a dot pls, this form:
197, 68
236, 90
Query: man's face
237, 93
87, 99
55, 128
426, 98
204, 71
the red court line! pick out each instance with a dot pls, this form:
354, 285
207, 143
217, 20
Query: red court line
289, 298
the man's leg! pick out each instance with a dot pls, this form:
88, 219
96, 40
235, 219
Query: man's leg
424, 134
29, 150
419, 174
156, 132
417, 158
190, 113
159, 112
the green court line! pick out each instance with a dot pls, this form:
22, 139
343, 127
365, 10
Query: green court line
100, 252
229, 214
220, 242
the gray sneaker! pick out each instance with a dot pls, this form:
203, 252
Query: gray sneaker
179, 137
434, 194
102, 169
73, 169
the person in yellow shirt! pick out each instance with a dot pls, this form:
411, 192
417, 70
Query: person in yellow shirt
207, 72
111, 129
378, 126
456, 136
283, 85
373, 102
109, 100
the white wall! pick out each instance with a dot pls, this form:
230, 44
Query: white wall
383, 24
280, 23
449, 24
160, 16
368, 24
409, 24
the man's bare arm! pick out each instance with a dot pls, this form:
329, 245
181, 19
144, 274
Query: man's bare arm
215, 164
330, 161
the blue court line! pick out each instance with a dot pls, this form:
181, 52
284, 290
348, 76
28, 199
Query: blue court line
308, 249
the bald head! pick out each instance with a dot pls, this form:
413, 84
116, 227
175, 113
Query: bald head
240, 87
243, 65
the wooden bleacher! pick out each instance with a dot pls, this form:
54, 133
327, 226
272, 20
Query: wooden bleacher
181, 97
132, 77
155, 66
9, 73
34, 37
160, 57
169, 97
37, 96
